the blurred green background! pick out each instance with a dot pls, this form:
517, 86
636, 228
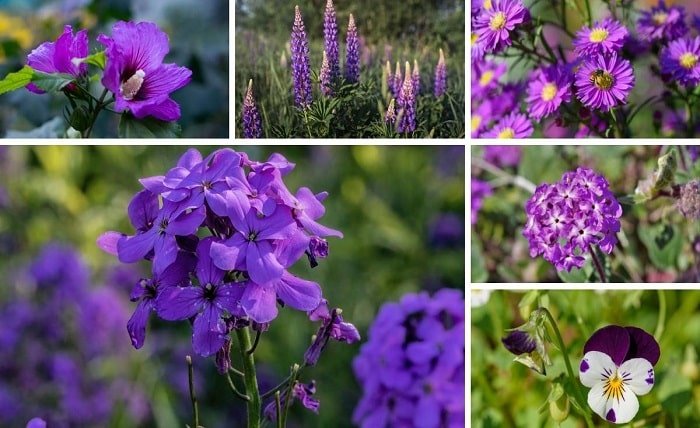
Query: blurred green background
506, 393
401, 210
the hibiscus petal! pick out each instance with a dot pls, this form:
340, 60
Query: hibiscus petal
164, 80
259, 302
142, 44
161, 108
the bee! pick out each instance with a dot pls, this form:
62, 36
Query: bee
600, 79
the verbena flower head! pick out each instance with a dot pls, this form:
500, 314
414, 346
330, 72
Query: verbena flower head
495, 24
135, 72
604, 82
56, 57
618, 365
407, 104
412, 366
515, 125
301, 70
440, 76
547, 90
330, 39
681, 60
503, 155
480, 190
352, 58
605, 37
415, 78
662, 23
567, 218
252, 126
325, 76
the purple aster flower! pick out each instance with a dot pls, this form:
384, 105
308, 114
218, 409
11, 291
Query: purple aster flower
485, 77
515, 125
332, 327
301, 71
440, 76
56, 57
476, 48
618, 365
495, 24
604, 82
662, 23
136, 74
503, 156
398, 81
390, 116
330, 40
325, 76
352, 55
480, 190
302, 392
548, 89
680, 60
415, 78
605, 37
406, 121
481, 118
252, 126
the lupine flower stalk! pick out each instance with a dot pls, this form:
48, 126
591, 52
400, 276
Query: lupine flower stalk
398, 81
330, 39
301, 72
390, 116
352, 59
440, 76
389, 77
415, 78
252, 127
407, 104
325, 76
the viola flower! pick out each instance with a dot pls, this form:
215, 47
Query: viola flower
548, 89
252, 127
301, 71
56, 57
135, 72
495, 24
618, 365
352, 55
515, 125
603, 83
440, 76
605, 37
662, 23
330, 40
480, 190
680, 59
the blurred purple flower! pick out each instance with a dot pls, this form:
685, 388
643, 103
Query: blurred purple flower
301, 71
390, 115
398, 81
333, 327
56, 57
352, 55
503, 156
440, 76
662, 23
415, 78
302, 392
514, 125
446, 231
681, 60
480, 190
325, 76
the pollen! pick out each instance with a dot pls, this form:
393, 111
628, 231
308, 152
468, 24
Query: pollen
659, 18
614, 387
132, 86
475, 37
598, 35
487, 5
688, 60
476, 121
549, 91
486, 78
498, 21
602, 80
506, 133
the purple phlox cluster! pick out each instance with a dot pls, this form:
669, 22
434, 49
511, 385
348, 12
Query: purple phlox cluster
603, 38
440, 85
301, 70
567, 219
494, 25
514, 125
300, 391
352, 54
325, 76
681, 60
406, 121
480, 190
330, 40
135, 72
548, 88
503, 156
258, 230
57, 57
604, 82
415, 78
252, 126
390, 116
412, 366
662, 23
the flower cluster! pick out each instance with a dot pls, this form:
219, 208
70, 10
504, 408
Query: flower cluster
252, 128
412, 366
569, 218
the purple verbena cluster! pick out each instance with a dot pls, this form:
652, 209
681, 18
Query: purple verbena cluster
412, 366
567, 219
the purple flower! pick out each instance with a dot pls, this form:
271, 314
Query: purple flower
476, 47
519, 342
515, 125
389, 78
56, 57
302, 392
301, 71
330, 40
407, 104
440, 76
390, 116
36, 423
412, 366
480, 190
415, 78
446, 231
495, 24
485, 76
332, 327
680, 60
548, 89
502, 155
662, 23
605, 37
481, 118
325, 76
398, 81
570, 217
618, 365
252, 126
694, 152
136, 74
352, 55
604, 82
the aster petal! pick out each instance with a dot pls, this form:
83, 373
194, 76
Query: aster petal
298, 293
638, 375
612, 340
137, 323
261, 263
179, 303
259, 302
209, 331
131, 249
595, 367
643, 345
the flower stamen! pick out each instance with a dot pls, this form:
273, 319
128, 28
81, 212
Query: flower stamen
498, 21
598, 35
132, 86
688, 60
549, 91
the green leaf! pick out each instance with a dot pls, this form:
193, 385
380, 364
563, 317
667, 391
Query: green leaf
664, 243
97, 59
577, 275
130, 127
51, 82
17, 80
479, 273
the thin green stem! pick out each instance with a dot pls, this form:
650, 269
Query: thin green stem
278, 386
193, 397
250, 380
598, 266
96, 112
292, 379
516, 180
235, 390
661, 322
255, 342
278, 408
236, 372
533, 52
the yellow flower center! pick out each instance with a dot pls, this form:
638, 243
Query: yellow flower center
602, 79
598, 35
549, 91
659, 17
487, 4
614, 387
475, 37
486, 78
506, 133
476, 121
688, 60
498, 21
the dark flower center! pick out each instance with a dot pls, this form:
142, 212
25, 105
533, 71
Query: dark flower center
252, 236
209, 291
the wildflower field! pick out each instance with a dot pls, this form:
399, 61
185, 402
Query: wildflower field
594, 214
585, 358
217, 287
359, 69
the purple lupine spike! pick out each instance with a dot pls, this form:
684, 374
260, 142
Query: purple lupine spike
389, 77
407, 104
352, 59
325, 76
415, 78
252, 127
398, 81
301, 72
390, 116
330, 39
440, 76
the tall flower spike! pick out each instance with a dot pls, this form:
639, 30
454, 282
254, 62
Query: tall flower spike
352, 59
330, 39
407, 104
398, 81
415, 78
325, 76
252, 127
301, 72
390, 116
440, 76
389, 77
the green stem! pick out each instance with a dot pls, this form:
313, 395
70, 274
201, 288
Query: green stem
96, 112
590, 15
287, 396
598, 267
574, 379
235, 390
193, 397
249, 379
278, 406
661, 322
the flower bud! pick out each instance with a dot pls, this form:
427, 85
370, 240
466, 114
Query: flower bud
689, 201
559, 408
527, 342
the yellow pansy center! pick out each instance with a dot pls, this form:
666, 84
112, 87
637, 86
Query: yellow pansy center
486, 78
659, 17
506, 133
476, 122
498, 21
549, 91
487, 4
614, 387
688, 60
598, 35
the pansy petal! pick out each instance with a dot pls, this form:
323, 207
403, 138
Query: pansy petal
179, 303
638, 374
259, 302
209, 331
612, 340
642, 345
622, 410
595, 367
137, 323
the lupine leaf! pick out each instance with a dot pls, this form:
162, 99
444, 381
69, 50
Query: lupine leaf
130, 127
16, 80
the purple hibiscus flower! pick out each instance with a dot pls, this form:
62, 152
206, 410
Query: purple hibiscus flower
136, 74
56, 57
